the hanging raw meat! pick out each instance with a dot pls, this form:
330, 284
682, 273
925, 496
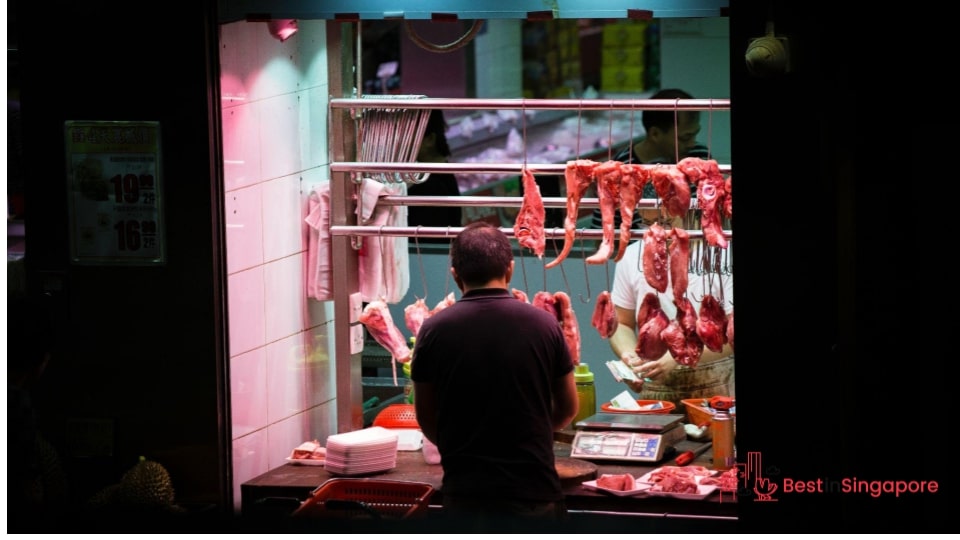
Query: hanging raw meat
568, 322
651, 322
561, 308
655, 257
689, 353
711, 325
650, 346
675, 340
730, 329
608, 176
632, 179
528, 227
379, 323
728, 197
648, 305
545, 301
673, 189
415, 314
604, 315
711, 196
447, 301
679, 260
686, 315
520, 295
578, 176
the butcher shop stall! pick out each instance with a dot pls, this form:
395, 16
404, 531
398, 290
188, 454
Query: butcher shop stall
536, 102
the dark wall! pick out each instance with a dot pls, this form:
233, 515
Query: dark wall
141, 349
833, 381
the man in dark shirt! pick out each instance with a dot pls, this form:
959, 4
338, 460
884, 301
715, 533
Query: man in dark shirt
494, 379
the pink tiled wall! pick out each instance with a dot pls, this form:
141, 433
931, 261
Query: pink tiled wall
274, 109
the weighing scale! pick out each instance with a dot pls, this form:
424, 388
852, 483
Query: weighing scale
627, 437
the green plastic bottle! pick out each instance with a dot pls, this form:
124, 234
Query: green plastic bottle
586, 392
408, 387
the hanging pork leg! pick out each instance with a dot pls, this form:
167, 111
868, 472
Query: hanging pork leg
632, 179
608, 176
578, 176
378, 321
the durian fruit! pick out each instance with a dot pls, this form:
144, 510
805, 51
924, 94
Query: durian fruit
146, 485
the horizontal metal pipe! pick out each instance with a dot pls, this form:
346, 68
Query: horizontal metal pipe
476, 200
450, 232
531, 104
503, 168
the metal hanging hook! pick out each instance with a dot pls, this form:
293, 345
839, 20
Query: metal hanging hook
563, 273
423, 275
446, 284
586, 276
383, 265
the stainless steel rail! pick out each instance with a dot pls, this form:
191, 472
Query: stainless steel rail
445, 232
532, 104
489, 168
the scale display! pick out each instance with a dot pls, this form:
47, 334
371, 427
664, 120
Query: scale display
625, 445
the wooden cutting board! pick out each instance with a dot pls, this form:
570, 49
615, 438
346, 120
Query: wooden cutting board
574, 472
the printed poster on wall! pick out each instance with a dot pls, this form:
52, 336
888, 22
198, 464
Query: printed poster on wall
114, 181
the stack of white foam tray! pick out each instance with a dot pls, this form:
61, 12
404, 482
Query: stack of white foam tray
361, 452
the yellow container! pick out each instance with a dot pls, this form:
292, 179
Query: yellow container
621, 79
622, 56
625, 34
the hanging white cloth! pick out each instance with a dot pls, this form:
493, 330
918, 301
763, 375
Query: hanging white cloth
319, 274
384, 260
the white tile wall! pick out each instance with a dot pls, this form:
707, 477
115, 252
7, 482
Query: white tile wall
274, 109
500, 46
244, 222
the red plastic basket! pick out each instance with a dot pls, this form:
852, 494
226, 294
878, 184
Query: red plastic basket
367, 498
397, 416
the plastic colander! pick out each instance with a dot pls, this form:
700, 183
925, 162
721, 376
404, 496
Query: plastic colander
397, 416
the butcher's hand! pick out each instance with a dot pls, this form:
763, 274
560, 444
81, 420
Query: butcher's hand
631, 359
658, 369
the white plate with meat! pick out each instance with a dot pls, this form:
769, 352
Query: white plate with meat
311, 462
621, 485
640, 489
679, 482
